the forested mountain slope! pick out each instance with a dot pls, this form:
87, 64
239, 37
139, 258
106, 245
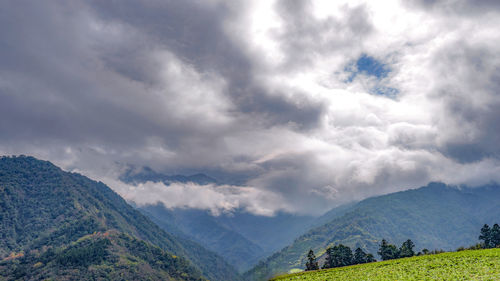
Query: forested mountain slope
202, 227
435, 216
240, 237
101, 256
42, 206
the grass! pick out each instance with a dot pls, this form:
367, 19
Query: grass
463, 265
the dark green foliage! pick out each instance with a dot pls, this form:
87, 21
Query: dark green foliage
104, 256
406, 249
76, 256
338, 256
329, 259
495, 235
41, 206
435, 216
388, 251
361, 257
486, 236
370, 258
312, 263
490, 236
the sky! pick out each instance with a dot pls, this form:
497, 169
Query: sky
293, 106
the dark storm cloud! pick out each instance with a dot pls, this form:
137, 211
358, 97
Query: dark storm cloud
471, 101
470, 7
82, 76
192, 30
221, 88
50, 79
195, 32
55, 67
306, 37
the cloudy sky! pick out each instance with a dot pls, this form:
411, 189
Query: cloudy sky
292, 105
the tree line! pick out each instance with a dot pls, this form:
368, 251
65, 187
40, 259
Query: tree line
388, 251
341, 255
490, 236
338, 256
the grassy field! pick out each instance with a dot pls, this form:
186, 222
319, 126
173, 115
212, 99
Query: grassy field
464, 265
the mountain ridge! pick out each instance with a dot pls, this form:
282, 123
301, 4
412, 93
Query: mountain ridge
434, 216
238, 236
43, 205
137, 175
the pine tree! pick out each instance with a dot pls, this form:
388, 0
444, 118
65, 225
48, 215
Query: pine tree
486, 236
311, 263
359, 256
495, 235
406, 249
329, 259
344, 254
388, 251
382, 251
337, 256
370, 258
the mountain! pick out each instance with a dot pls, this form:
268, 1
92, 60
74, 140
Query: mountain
143, 174
202, 227
436, 216
240, 237
101, 256
42, 206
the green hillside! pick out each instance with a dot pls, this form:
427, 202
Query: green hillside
434, 217
42, 206
464, 265
202, 227
241, 238
101, 256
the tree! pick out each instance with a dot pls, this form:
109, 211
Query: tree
370, 258
406, 249
337, 256
328, 261
311, 263
359, 256
343, 255
486, 236
388, 251
495, 235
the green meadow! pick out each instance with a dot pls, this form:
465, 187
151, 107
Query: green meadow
463, 265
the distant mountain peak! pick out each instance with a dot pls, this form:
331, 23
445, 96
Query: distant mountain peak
144, 174
435, 216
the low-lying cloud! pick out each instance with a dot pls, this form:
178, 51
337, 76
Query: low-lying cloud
216, 198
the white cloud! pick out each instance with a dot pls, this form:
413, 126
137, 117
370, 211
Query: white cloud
216, 198
257, 94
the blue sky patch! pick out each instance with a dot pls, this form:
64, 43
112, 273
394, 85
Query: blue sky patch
385, 91
369, 66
